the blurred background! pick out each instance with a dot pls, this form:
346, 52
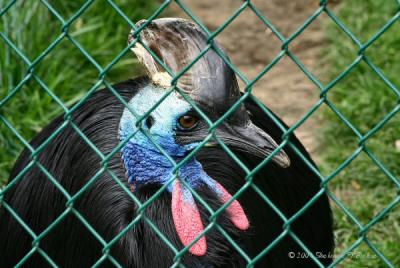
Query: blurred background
364, 188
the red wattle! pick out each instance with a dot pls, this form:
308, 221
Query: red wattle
234, 210
187, 219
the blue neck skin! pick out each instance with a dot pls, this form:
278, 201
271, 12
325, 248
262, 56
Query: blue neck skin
146, 166
144, 163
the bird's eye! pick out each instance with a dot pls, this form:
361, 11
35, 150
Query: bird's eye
187, 122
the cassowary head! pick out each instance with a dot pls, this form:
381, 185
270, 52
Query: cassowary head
176, 127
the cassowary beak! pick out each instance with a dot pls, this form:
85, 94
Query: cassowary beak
252, 140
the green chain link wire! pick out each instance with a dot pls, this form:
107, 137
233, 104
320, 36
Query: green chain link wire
285, 51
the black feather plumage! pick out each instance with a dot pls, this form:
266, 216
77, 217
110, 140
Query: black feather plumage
108, 209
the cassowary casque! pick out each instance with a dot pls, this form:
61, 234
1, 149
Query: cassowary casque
177, 129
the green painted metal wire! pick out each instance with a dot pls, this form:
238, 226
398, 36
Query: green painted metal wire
103, 168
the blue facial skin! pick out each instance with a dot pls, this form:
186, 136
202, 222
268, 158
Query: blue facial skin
144, 163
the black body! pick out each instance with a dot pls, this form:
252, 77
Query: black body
109, 209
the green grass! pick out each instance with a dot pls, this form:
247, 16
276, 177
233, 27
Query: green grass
66, 71
364, 100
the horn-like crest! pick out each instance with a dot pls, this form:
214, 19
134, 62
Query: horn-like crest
177, 42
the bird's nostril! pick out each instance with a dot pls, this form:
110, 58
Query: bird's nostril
250, 114
149, 122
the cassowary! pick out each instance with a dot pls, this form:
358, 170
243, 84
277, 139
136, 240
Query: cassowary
178, 129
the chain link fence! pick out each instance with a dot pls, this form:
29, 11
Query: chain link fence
102, 82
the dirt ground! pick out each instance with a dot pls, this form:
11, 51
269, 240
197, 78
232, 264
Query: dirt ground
252, 46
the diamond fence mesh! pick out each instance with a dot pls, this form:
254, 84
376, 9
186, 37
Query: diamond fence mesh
102, 72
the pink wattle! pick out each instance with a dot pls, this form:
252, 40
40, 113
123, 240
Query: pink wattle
187, 220
234, 210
